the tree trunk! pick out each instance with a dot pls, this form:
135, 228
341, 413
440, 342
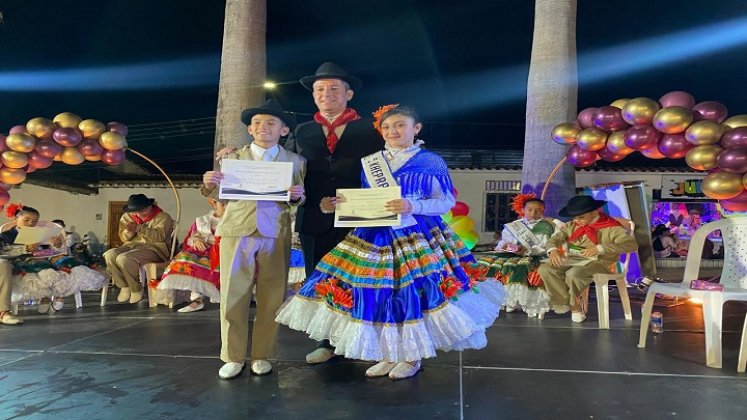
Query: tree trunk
243, 69
552, 96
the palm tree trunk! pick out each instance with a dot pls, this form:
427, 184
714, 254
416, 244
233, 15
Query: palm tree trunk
552, 95
243, 69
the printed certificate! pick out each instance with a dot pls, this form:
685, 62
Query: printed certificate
255, 180
37, 234
364, 207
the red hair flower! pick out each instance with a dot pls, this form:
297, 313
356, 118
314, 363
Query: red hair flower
379, 112
12, 209
517, 205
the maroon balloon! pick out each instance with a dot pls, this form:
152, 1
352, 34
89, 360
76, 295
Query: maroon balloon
3, 146
734, 137
4, 186
609, 118
581, 158
733, 159
738, 203
113, 157
48, 148
677, 98
29, 169
69, 137
117, 127
18, 129
674, 146
610, 156
90, 148
711, 110
642, 137
38, 161
586, 117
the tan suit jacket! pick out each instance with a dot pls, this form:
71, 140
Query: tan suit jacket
155, 234
270, 219
613, 240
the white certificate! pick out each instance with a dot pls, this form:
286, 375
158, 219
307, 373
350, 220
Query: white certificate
255, 180
37, 234
364, 207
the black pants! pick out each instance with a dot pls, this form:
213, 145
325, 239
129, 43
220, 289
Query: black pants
314, 248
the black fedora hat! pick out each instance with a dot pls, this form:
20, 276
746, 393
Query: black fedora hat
330, 70
137, 202
580, 204
271, 107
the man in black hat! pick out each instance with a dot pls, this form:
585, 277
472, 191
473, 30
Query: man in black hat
333, 145
145, 230
254, 240
591, 243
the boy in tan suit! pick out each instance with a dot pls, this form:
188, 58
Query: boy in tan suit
254, 243
591, 234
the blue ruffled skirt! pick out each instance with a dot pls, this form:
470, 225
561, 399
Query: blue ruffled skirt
397, 295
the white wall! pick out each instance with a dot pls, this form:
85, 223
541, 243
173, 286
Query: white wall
80, 211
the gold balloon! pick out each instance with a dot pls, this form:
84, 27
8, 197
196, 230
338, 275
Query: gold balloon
565, 133
744, 181
620, 103
20, 142
15, 160
592, 139
40, 127
91, 129
640, 111
616, 143
67, 120
12, 176
72, 156
703, 158
94, 158
112, 141
672, 120
736, 121
722, 185
704, 132
58, 158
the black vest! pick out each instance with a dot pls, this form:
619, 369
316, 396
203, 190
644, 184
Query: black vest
325, 171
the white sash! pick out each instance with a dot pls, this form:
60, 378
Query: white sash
523, 234
377, 171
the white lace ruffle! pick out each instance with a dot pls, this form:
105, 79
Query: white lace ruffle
296, 275
30, 287
88, 278
48, 282
533, 301
182, 282
449, 327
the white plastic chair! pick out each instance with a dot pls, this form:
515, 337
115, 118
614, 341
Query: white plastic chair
733, 277
742, 361
42, 223
601, 284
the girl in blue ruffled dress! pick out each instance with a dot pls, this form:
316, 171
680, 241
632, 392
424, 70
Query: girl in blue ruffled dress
395, 295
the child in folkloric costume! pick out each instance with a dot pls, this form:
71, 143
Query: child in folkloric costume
191, 268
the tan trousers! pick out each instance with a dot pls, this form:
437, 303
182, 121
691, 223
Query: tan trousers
123, 264
245, 260
565, 284
6, 284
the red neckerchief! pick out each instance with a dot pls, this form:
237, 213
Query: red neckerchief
348, 115
150, 217
590, 231
215, 254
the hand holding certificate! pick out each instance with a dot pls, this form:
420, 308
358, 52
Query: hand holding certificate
365, 207
255, 180
37, 235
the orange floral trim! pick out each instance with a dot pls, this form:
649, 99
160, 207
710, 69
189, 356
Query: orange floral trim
379, 112
450, 287
517, 204
153, 283
337, 296
534, 279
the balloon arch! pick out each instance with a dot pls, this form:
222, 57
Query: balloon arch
66, 138
673, 127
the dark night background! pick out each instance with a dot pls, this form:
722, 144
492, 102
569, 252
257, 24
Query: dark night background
463, 64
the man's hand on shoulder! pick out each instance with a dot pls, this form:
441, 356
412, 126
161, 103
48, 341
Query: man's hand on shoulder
211, 179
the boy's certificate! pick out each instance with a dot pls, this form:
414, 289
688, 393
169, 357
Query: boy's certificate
364, 207
255, 180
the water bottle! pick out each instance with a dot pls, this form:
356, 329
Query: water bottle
657, 323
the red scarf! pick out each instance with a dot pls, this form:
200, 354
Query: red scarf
347, 116
215, 254
590, 231
150, 217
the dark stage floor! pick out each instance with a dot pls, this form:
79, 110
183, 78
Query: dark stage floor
126, 361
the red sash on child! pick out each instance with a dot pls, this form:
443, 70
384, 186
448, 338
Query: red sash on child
154, 213
591, 231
